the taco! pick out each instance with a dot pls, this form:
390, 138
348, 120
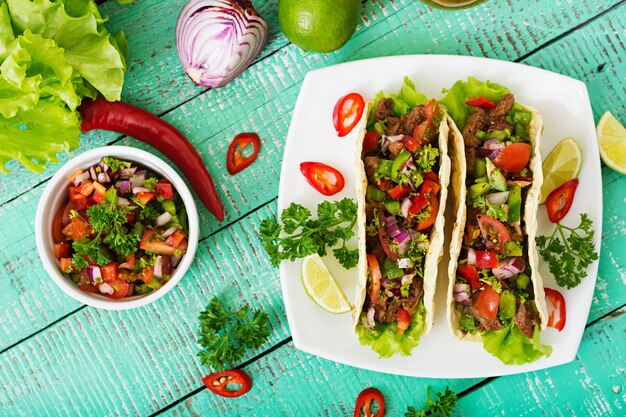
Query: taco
495, 292
402, 179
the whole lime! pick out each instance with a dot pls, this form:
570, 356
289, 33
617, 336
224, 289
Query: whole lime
319, 25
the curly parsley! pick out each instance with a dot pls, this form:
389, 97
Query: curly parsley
115, 164
497, 211
426, 158
569, 251
443, 406
304, 236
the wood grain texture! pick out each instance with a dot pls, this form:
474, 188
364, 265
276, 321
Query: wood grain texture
265, 94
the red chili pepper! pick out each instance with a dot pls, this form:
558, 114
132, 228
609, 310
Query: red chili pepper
558, 305
560, 200
370, 142
347, 113
482, 102
325, 179
364, 401
470, 274
235, 161
219, 383
132, 121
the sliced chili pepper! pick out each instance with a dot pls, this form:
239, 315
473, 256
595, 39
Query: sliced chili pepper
470, 274
142, 125
557, 302
370, 142
221, 383
325, 179
347, 113
364, 402
482, 102
560, 200
235, 161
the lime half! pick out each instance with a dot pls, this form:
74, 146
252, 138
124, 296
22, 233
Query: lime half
320, 285
612, 142
562, 164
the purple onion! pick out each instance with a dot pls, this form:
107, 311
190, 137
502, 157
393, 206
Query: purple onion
403, 237
489, 153
498, 198
509, 268
370, 317
123, 187
80, 178
93, 174
136, 182
163, 218
103, 178
127, 172
388, 220
461, 294
520, 181
121, 201
131, 289
393, 230
493, 144
218, 39
141, 175
176, 260
404, 208
387, 283
407, 279
94, 274
471, 256
103, 167
106, 289
158, 267
137, 190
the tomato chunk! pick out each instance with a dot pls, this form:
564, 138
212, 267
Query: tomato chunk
513, 158
470, 274
374, 289
370, 142
433, 209
485, 259
61, 250
404, 320
165, 190
488, 302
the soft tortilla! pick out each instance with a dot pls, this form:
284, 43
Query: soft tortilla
435, 250
533, 196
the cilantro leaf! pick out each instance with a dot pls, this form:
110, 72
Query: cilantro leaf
443, 406
426, 158
497, 211
115, 164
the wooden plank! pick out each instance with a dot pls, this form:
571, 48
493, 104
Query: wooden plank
156, 80
290, 382
591, 385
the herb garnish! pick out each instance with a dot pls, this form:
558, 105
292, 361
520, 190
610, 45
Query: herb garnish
224, 335
305, 236
442, 407
497, 211
115, 164
569, 256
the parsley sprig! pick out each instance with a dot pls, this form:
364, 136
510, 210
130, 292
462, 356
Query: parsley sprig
303, 236
569, 251
443, 406
225, 335
497, 211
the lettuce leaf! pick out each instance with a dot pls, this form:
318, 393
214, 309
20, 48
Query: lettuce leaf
512, 347
455, 99
403, 102
52, 55
387, 341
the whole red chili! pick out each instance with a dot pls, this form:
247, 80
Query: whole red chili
142, 125
221, 382
235, 161
364, 401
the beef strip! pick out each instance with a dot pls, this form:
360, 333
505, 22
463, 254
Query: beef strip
500, 124
371, 165
411, 120
416, 290
526, 319
392, 126
395, 148
502, 107
386, 309
474, 123
371, 205
484, 325
384, 109
470, 157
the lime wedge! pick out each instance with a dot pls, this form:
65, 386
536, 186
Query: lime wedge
612, 142
320, 285
562, 164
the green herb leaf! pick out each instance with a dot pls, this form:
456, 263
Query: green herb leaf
443, 406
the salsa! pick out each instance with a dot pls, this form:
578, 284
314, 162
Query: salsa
122, 230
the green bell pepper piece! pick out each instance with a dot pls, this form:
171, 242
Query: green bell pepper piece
373, 193
467, 323
169, 206
512, 248
384, 169
507, 307
399, 162
391, 270
522, 281
480, 167
515, 203
496, 179
477, 190
392, 206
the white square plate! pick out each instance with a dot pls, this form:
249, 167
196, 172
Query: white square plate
564, 104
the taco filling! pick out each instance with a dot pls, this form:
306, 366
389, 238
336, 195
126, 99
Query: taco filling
401, 159
494, 295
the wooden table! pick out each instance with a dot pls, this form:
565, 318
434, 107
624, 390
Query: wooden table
58, 357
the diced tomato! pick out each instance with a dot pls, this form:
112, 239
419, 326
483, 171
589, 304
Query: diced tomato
57, 226
384, 243
130, 217
481, 101
485, 259
399, 191
473, 233
470, 274
370, 142
374, 291
175, 238
77, 229
493, 231
404, 320
80, 201
431, 176
130, 262
166, 265
432, 209
65, 219
150, 244
86, 188
488, 303
61, 250
418, 203
109, 272
410, 143
513, 158
425, 131
165, 190
98, 197
66, 265
120, 288
145, 197
147, 274
385, 185
429, 186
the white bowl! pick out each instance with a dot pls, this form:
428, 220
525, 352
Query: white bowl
55, 194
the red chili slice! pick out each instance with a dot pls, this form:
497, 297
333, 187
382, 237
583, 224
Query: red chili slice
325, 179
347, 113
364, 402
231, 384
560, 200
556, 305
235, 160
482, 102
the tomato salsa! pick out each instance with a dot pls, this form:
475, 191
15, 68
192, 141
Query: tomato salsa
122, 230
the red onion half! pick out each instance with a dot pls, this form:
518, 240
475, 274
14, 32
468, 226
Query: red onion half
218, 39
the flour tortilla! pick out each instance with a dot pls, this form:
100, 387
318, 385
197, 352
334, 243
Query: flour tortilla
459, 191
435, 250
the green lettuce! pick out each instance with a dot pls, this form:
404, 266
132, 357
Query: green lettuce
455, 99
403, 102
387, 341
52, 55
512, 347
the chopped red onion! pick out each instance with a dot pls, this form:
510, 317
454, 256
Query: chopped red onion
394, 138
402, 237
103, 178
498, 198
121, 201
127, 172
405, 263
94, 274
370, 317
176, 260
80, 178
104, 167
158, 267
509, 268
169, 231
93, 174
163, 218
461, 294
520, 181
393, 230
404, 208
471, 256
131, 289
407, 279
106, 289
141, 175
136, 182
389, 220
137, 190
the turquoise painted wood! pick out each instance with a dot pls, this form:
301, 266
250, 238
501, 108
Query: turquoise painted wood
60, 358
